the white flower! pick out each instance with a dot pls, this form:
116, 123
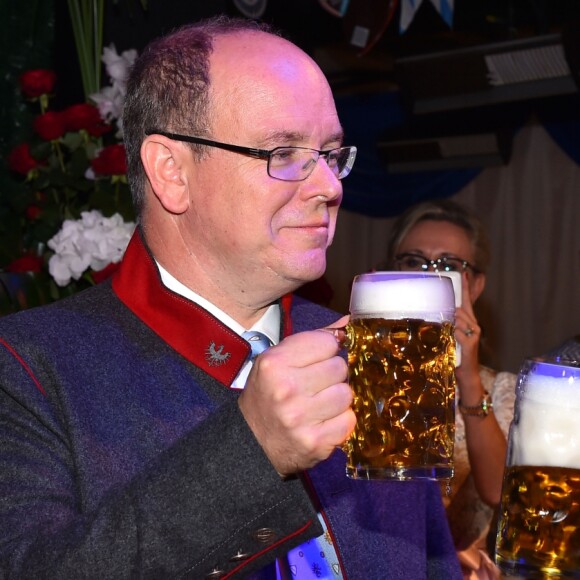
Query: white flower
90, 242
118, 65
109, 100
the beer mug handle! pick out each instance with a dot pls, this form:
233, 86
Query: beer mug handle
342, 334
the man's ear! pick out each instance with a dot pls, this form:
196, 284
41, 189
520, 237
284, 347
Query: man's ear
165, 162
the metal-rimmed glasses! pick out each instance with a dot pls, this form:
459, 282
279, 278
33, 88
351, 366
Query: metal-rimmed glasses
284, 163
410, 262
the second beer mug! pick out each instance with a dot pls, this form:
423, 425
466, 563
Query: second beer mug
539, 526
401, 359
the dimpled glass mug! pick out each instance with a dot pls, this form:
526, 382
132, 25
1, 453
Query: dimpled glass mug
538, 533
401, 363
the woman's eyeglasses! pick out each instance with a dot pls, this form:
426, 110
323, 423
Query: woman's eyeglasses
416, 262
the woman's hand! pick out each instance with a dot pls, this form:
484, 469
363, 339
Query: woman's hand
468, 334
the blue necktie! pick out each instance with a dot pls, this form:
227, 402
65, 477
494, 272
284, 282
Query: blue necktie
258, 341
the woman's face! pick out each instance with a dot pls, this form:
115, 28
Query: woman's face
434, 239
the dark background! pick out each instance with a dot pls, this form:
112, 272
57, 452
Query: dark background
327, 38
371, 93
37, 33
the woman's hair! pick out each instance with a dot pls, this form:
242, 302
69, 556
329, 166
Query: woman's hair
446, 211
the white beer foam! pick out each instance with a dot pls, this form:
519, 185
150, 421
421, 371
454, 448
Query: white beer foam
548, 431
403, 295
457, 283
457, 288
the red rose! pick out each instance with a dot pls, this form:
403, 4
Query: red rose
49, 126
34, 83
32, 212
84, 116
20, 160
99, 129
110, 161
26, 263
80, 116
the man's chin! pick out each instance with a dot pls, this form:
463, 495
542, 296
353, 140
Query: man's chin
311, 267
299, 284
300, 268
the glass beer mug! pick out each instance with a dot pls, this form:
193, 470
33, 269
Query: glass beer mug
538, 533
401, 359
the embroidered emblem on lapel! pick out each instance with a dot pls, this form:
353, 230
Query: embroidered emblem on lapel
216, 357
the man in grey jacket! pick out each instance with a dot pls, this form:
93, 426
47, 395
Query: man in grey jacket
138, 437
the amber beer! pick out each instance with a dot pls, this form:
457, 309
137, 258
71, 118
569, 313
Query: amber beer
539, 527
401, 368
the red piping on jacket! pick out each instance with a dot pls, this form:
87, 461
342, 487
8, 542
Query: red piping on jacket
271, 547
24, 366
310, 488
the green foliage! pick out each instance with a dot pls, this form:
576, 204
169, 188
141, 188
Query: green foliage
26, 42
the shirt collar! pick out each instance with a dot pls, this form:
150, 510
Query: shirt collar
269, 323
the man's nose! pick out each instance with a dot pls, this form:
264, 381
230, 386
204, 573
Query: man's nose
323, 181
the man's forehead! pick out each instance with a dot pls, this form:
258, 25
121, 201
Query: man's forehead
260, 56
274, 136
249, 41
279, 95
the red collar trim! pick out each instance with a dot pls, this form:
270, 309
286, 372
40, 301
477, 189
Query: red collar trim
192, 331
286, 305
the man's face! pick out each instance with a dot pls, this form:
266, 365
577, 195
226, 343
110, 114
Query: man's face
245, 226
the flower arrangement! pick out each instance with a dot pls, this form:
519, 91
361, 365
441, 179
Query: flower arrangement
71, 201
92, 242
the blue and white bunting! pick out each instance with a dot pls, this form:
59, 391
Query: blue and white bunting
410, 7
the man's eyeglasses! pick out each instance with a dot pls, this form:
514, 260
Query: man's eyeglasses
284, 163
417, 262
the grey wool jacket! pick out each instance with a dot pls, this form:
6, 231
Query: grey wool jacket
123, 453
